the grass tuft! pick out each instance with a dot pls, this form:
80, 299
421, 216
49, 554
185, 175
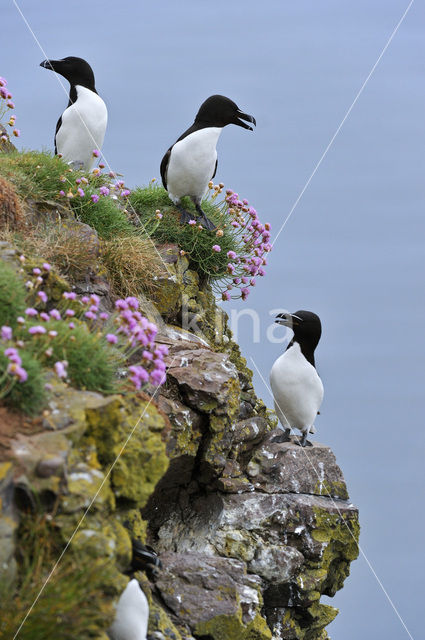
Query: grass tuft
71, 606
92, 362
132, 264
12, 295
196, 243
29, 396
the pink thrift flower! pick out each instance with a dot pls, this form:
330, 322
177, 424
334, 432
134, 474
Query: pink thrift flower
85, 299
20, 373
216, 248
16, 133
36, 271
94, 197
225, 295
48, 386
132, 302
104, 315
13, 356
60, 368
31, 312
245, 293
231, 255
10, 104
44, 316
55, 314
90, 315
6, 333
111, 338
121, 305
71, 325
104, 191
53, 334
70, 295
20, 320
46, 266
192, 222
96, 153
37, 330
42, 296
69, 313
81, 192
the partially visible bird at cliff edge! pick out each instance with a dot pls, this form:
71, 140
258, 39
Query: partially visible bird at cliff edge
132, 614
81, 128
191, 162
297, 388
144, 558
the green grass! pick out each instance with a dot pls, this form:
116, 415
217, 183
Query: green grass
104, 216
29, 396
92, 362
37, 176
71, 606
12, 295
197, 244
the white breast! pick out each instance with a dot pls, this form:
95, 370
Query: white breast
83, 128
297, 390
192, 163
131, 619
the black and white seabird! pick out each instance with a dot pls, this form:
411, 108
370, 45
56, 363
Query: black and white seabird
132, 614
144, 558
81, 128
191, 162
297, 388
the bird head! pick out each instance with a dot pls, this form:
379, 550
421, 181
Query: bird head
220, 111
75, 70
306, 326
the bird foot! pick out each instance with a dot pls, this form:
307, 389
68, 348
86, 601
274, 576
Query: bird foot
206, 222
282, 437
304, 442
184, 215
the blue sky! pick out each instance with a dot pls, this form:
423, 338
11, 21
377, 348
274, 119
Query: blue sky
353, 250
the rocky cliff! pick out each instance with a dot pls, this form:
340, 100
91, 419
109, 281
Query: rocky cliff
250, 532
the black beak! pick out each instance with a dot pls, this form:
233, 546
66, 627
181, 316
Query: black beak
49, 64
287, 319
244, 116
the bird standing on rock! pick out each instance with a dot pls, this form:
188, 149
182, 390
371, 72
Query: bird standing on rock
191, 162
81, 128
297, 388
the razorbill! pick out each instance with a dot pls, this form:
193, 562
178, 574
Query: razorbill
191, 162
132, 614
81, 128
144, 558
297, 388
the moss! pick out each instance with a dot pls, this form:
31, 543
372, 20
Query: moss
133, 522
12, 295
143, 461
340, 535
159, 621
336, 489
232, 628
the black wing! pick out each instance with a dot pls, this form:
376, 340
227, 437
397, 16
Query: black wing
58, 126
164, 166
215, 169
